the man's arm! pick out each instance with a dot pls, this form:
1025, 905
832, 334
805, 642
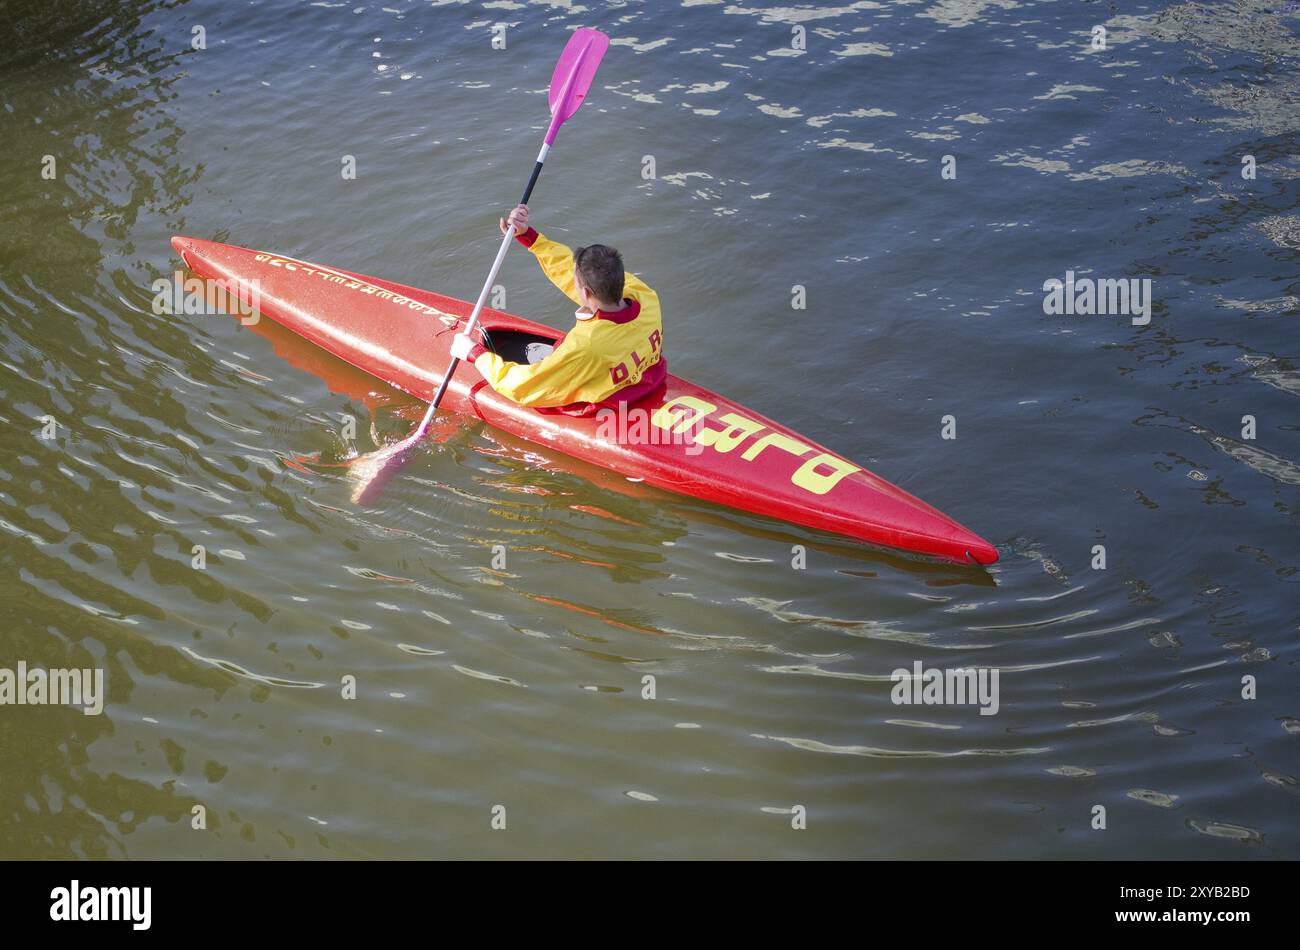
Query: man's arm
557, 264
555, 381
636, 288
556, 260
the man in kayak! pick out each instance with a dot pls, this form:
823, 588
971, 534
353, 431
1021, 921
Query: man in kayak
614, 352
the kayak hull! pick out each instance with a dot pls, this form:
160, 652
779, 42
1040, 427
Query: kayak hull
682, 438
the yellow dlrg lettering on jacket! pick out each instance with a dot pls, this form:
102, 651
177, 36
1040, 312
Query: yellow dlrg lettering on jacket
634, 364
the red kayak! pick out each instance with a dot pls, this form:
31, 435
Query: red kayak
682, 438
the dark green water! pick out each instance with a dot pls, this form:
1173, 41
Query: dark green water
522, 685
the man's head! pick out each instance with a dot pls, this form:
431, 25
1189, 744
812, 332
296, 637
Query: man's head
598, 273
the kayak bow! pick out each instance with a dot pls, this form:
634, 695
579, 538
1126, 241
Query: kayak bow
683, 438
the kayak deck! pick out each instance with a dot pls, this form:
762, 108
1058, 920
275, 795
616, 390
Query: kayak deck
682, 438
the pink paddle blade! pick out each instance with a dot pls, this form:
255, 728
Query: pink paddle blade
573, 75
371, 473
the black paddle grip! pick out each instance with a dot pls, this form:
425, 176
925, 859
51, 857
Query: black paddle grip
537, 170
437, 397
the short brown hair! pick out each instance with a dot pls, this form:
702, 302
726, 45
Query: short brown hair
601, 269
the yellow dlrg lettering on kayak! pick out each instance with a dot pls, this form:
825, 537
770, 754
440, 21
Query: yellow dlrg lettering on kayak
793, 446
817, 475
809, 479
738, 430
352, 283
666, 416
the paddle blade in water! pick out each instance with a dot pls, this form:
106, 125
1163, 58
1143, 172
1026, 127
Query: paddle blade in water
573, 75
373, 471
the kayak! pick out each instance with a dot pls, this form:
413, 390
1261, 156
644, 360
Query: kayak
682, 438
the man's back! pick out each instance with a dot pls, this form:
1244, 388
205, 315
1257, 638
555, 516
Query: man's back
614, 352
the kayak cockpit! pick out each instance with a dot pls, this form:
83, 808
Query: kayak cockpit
518, 346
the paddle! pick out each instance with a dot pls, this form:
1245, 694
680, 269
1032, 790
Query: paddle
569, 84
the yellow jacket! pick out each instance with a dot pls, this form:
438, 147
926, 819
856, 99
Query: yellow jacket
606, 359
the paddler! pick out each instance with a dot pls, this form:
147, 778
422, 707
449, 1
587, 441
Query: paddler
612, 355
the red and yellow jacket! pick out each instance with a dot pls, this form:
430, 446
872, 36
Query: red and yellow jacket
605, 360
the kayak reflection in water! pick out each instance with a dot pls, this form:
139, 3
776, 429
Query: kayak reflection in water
612, 355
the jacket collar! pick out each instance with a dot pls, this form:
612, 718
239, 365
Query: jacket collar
626, 315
